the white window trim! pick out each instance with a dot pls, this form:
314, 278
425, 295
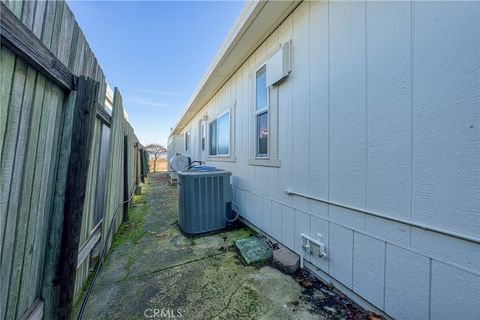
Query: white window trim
272, 108
230, 157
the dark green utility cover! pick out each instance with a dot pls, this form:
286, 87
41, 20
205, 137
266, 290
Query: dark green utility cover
254, 250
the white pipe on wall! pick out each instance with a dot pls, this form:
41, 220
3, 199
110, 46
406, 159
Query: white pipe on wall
411, 223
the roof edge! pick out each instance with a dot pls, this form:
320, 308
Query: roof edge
224, 65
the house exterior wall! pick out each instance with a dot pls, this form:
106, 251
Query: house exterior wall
379, 113
175, 145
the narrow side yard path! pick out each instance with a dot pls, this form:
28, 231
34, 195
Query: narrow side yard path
154, 271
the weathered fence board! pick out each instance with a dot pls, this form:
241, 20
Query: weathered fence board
8, 221
32, 189
43, 51
18, 37
114, 188
82, 133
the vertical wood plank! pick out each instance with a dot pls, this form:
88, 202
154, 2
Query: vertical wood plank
28, 264
28, 13
55, 224
49, 23
82, 132
24, 232
7, 72
12, 254
39, 17
6, 175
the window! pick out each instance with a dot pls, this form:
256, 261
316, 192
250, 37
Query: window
213, 137
261, 88
187, 140
262, 135
261, 112
203, 136
219, 135
265, 86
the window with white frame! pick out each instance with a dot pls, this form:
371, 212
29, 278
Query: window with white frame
187, 141
219, 135
261, 113
266, 80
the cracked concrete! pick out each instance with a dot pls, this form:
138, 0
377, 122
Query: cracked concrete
154, 271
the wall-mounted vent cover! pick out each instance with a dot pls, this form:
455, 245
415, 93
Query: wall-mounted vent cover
204, 200
278, 66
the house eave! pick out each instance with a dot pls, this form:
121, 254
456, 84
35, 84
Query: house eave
256, 22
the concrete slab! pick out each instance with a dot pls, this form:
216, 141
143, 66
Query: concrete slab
286, 260
153, 271
254, 250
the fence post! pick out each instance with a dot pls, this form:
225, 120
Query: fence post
142, 161
125, 178
81, 141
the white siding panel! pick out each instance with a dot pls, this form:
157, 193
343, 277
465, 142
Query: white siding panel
319, 121
319, 209
446, 115
267, 215
241, 203
448, 249
288, 227
247, 203
394, 232
276, 221
271, 177
449, 300
248, 123
319, 107
349, 218
406, 284
341, 254
302, 225
320, 226
389, 110
301, 104
240, 103
257, 210
369, 268
285, 112
347, 103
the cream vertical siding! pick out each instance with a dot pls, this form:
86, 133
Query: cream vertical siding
380, 113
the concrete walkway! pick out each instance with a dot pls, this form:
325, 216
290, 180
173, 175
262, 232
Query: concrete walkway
153, 271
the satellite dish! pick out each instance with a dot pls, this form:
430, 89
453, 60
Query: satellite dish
179, 162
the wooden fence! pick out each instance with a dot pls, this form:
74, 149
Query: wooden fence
67, 161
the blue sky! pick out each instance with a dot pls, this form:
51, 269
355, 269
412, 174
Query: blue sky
155, 52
